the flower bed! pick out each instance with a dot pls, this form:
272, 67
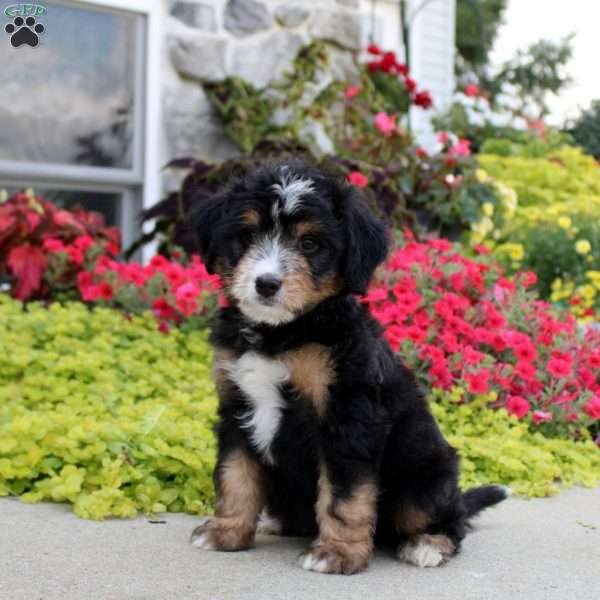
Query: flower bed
461, 325
115, 417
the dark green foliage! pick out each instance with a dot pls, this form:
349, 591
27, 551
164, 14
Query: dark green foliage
477, 24
586, 130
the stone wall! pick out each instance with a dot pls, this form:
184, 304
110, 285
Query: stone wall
208, 40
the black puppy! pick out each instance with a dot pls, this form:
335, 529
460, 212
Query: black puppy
323, 432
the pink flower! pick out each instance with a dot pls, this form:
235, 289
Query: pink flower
518, 406
540, 416
358, 179
443, 137
421, 152
461, 148
592, 408
472, 90
385, 123
351, 91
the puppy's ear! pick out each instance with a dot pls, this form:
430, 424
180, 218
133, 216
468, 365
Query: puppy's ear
205, 218
367, 241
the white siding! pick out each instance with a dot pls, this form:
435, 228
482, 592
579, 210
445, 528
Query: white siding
432, 50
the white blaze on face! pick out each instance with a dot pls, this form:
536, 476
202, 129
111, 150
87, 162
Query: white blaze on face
267, 256
290, 191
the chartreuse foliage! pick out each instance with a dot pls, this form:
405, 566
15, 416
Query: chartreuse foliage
498, 448
116, 418
103, 412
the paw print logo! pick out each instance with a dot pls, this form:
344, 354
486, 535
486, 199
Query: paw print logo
24, 31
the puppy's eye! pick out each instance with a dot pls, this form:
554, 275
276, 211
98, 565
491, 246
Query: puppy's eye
309, 244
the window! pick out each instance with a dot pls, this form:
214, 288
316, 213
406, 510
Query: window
74, 119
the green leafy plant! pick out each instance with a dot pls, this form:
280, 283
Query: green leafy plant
103, 412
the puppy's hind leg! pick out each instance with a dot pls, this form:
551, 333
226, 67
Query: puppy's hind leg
427, 550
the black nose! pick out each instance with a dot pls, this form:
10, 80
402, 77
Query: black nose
267, 285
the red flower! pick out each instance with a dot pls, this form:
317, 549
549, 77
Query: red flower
358, 179
421, 152
471, 90
105, 292
518, 406
594, 360
525, 352
411, 84
559, 367
423, 99
479, 382
374, 49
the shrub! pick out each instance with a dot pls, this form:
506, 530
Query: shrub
104, 412
459, 323
116, 418
586, 130
43, 247
554, 230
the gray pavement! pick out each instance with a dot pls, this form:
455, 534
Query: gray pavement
537, 549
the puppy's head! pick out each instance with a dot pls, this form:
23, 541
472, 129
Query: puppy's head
287, 238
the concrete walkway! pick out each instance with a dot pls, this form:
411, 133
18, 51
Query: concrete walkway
541, 549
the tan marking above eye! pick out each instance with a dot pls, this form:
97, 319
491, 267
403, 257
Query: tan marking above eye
251, 217
305, 227
311, 372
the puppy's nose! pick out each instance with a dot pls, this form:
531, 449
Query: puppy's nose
267, 285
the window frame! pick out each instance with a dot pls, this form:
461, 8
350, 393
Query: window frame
140, 184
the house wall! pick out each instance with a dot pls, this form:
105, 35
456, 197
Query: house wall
207, 40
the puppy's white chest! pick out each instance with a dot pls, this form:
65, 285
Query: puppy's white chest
260, 379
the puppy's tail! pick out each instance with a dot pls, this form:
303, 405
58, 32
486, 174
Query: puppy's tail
480, 498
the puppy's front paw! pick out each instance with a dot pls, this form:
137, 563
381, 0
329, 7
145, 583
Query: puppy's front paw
221, 534
325, 558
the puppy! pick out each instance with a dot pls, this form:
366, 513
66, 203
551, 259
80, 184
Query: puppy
323, 431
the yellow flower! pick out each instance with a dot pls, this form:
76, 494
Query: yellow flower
481, 175
564, 222
488, 209
582, 246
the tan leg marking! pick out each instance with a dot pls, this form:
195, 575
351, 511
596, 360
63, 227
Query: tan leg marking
346, 527
426, 550
410, 520
311, 373
240, 493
